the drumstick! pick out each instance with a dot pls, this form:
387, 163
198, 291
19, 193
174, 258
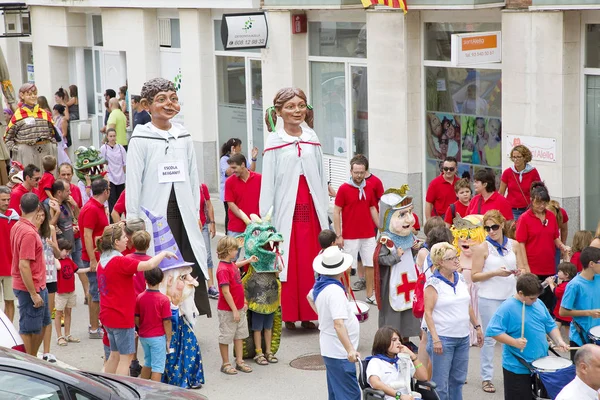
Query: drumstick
523, 323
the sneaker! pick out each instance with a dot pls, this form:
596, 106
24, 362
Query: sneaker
49, 357
213, 292
372, 300
360, 284
135, 369
96, 335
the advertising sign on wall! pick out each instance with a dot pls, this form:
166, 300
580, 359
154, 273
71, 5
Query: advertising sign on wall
476, 48
244, 31
542, 149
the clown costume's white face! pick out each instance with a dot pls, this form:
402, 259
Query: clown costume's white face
402, 221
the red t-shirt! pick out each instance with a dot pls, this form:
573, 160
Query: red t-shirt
65, 277
229, 274
153, 308
139, 282
15, 197
576, 259
26, 244
76, 195
46, 184
417, 225
519, 197
441, 194
6, 253
494, 202
117, 296
559, 292
375, 184
356, 213
119, 206
459, 209
245, 195
92, 216
539, 241
204, 195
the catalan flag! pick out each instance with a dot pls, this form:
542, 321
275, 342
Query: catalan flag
390, 3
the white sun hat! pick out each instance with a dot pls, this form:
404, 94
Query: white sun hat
332, 261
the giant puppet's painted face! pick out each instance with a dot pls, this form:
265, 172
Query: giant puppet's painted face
262, 240
179, 286
89, 161
402, 221
467, 232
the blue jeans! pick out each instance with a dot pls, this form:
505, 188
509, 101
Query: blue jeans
450, 368
341, 379
76, 253
517, 212
487, 308
206, 235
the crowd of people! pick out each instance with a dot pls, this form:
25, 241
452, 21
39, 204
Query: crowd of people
489, 253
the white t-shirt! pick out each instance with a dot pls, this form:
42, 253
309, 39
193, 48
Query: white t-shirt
498, 287
577, 390
398, 379
451, 311
332, 304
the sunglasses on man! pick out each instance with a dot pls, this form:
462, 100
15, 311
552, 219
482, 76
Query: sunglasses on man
449, 169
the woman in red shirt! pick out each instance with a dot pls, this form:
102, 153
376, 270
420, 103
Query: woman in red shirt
117, 295
537, 232
518, 179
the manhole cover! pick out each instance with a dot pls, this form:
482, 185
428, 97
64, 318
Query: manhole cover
309, 362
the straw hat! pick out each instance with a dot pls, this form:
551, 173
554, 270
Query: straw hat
332, 261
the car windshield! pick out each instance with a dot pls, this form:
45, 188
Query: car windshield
119, 388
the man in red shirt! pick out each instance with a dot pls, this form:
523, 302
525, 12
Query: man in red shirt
355, 219
8, 218
440, 192
28, 271
242, 192
65, 171
119, 208
92, 221
487, 197
31, 179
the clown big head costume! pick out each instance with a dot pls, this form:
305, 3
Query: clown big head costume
395, 273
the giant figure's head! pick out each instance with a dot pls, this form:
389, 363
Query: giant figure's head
467, 232
262, 240
89, 161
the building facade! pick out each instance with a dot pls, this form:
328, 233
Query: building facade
381, 82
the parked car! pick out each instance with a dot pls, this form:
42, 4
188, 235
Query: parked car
25, 377
9, 337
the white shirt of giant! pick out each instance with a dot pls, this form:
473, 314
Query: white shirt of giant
451, 311
498, 287
333, 304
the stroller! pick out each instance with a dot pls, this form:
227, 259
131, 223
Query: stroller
425, 388
549, 375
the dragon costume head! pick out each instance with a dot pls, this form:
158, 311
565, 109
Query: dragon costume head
262, 240
396, 217
88, 161
467, 232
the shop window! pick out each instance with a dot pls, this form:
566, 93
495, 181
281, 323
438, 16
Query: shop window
591, 149
463, 120
338, 39
328, 91
438, 36
97, 30
592, 46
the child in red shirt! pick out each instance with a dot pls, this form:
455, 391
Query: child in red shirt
232, 306
462, 188
153, 318
66, 298
581, 240
566, 272
141, 243
45, 185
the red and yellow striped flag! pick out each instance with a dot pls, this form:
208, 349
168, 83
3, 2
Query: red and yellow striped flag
390, 3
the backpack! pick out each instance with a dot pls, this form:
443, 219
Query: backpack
418, 308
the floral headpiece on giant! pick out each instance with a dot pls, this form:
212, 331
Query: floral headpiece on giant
467, 232
396, 218
89, 161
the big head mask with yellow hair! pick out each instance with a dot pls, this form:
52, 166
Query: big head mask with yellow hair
467, 232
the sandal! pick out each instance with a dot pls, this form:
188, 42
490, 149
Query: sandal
308, 325
290, 325
228, 369
260, 359
61, 341
243, 367
271, 358
488, 387
71, 339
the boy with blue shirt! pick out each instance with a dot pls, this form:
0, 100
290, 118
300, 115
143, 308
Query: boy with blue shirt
581, 299
505, 326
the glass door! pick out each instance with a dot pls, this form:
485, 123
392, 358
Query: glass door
257, 131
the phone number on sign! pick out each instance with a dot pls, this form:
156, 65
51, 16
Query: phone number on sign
247, 42
481, 53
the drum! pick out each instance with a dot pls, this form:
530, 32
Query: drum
594, 335
551, 364
363, 314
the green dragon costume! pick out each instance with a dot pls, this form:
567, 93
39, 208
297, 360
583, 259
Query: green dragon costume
262, 288
88, 161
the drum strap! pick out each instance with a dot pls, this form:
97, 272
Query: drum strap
580, 331
346, 278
